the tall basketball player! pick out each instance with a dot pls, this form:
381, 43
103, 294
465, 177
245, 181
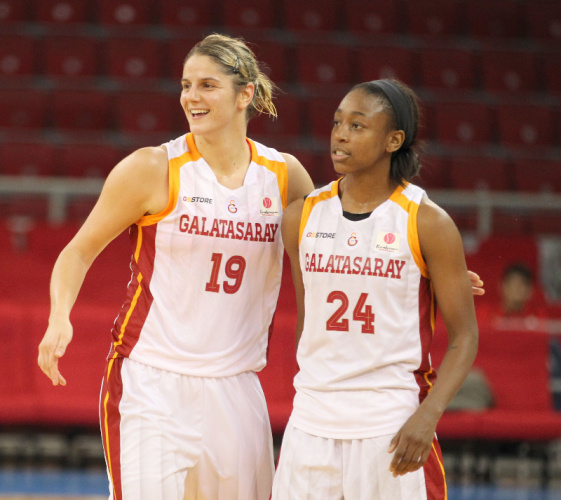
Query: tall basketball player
371, 256
182, 411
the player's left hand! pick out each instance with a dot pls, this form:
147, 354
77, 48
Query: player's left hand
476, 283
412, 444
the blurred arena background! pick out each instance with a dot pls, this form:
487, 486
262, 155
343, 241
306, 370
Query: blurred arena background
83, 83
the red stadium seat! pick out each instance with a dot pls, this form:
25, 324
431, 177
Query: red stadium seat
62, 11
288, 122
537, 175
28, 159
125, 12
249, 14
17, 56
71, 57
434, 18
552, 71
23, 109
525, 125
134, 58
478, 173
373, 18
88, 160
545, 222
191, 14
176, 51
14, 11
310, 160
310, 16
509, 71
543, 19
146, 112
380, 61
320, 113
274, 55
497, 19
323, 64
434, 174
463, 122
81, 110
443, 68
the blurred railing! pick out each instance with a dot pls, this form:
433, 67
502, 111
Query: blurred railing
59, 191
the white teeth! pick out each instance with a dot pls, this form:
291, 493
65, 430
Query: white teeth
339, 152
199, 111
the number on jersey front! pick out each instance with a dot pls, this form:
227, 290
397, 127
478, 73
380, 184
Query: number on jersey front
362, 312
234, 269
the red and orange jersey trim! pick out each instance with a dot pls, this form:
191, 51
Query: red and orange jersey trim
174, 166
412, 209
312, 201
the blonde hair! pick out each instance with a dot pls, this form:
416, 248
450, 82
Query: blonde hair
239, 61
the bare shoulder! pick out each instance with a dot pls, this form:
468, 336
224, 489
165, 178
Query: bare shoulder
146, 163
431, 216
142, 176
299, 181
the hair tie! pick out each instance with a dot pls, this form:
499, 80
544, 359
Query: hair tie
401, 106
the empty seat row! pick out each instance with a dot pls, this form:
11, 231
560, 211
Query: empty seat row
438, 172
431, 67
457, 122
500, 18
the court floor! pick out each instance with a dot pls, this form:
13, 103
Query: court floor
38, 484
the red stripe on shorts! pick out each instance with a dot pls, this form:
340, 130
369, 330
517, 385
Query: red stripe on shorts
435, 478
110, 420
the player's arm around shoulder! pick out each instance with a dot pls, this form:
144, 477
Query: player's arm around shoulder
299, 181
137, 185
291, 237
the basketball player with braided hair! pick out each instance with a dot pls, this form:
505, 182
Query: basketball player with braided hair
371, 256
182, 411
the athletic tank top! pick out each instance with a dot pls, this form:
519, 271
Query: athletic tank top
364, 352
206, 271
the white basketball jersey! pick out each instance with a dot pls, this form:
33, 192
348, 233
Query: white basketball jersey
206, 271
364, 352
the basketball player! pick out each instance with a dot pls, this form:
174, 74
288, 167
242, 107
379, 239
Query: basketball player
182, 410
371, 255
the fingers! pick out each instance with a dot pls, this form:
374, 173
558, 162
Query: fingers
409, 458
50, 351
478, 291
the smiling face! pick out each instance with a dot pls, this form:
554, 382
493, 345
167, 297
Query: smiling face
209, 98
361, 137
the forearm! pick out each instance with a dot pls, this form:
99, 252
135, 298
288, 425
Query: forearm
67, 278
453, 370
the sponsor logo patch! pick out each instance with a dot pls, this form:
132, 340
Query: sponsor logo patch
269, 206
388, 242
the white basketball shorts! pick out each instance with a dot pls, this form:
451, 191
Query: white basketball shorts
317, 468
175, 437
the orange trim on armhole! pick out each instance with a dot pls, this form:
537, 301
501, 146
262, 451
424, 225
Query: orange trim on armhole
312, 201
277, 167
174, 165
412, 209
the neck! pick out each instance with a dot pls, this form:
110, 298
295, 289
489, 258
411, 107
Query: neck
228, 156
362, 192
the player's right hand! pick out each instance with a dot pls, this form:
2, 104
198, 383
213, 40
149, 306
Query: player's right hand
52, 348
